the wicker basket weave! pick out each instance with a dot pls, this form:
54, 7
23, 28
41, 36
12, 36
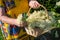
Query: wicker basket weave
37, 30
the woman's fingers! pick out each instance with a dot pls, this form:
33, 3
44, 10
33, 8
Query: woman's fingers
31, 32
34, 4
23, 24
27, 30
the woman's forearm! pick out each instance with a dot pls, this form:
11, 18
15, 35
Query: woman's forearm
9, 20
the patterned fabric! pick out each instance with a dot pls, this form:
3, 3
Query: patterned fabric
13, 8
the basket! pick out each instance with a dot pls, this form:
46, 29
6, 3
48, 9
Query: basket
37, 31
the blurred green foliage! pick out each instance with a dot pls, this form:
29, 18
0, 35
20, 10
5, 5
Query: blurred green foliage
1, 35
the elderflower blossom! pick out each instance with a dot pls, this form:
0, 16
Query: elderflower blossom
19, 18
58, 3
39, 19
58, 21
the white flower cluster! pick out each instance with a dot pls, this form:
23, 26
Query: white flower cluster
58, 21
19, 18
58, 3
39, 19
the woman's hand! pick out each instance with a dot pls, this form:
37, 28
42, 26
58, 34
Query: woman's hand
33, 32
23, 24
34, 4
